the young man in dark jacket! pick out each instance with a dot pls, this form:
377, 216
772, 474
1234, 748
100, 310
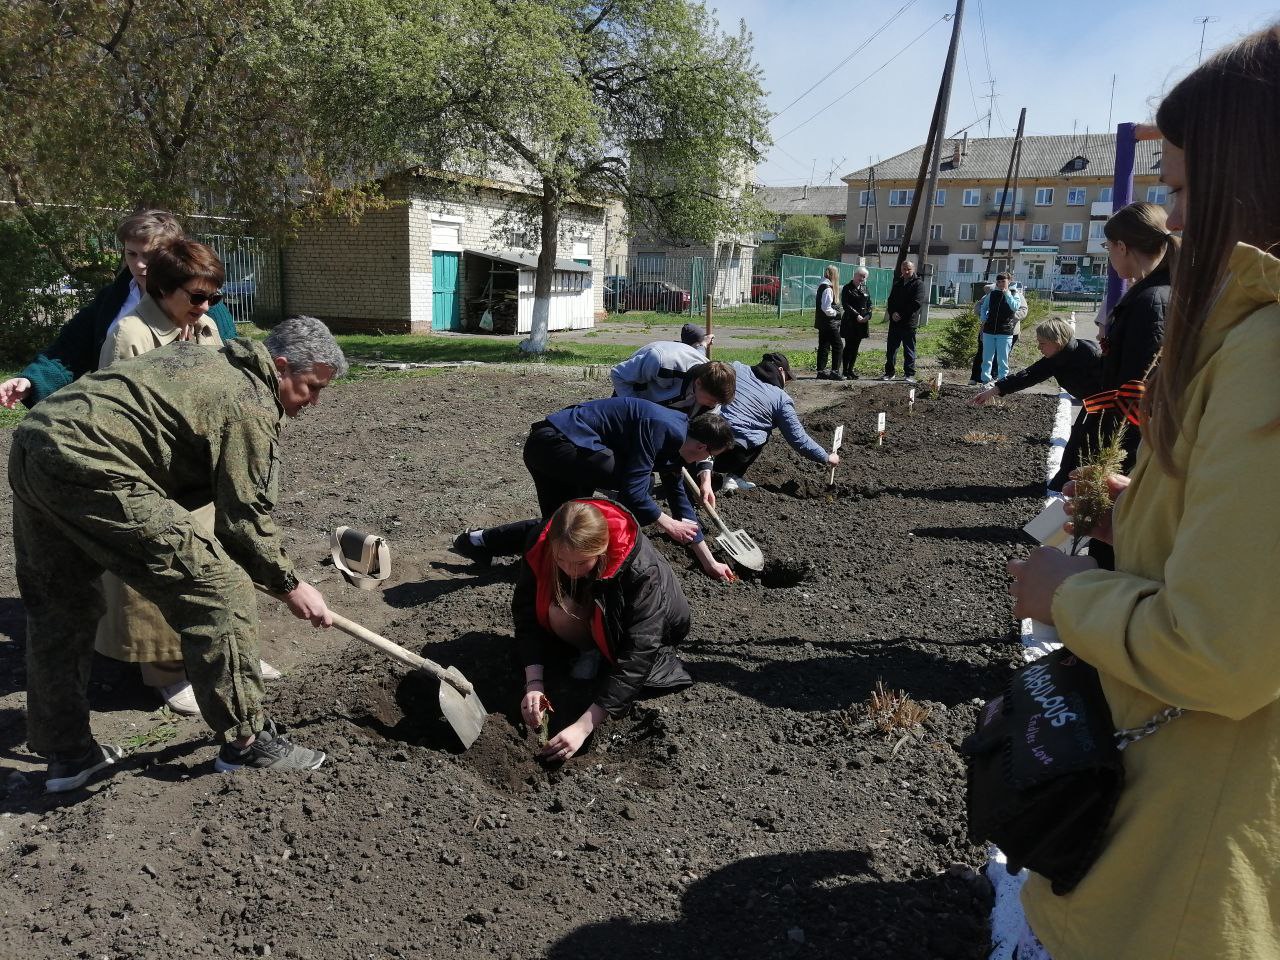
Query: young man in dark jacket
855, 326
614, 444
906, 300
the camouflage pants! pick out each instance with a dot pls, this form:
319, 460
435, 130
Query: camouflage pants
65, 534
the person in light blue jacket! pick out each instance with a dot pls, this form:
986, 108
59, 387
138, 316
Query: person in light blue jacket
674, 375
998, 311
759, 407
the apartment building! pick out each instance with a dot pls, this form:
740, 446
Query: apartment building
1050, 233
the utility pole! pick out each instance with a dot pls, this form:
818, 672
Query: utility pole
1013, 155
866, 213
1204, 22
1017, 167
939, 108
874, 188
1112, 104
991, 104
944, 101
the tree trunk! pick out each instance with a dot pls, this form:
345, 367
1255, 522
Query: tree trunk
538, 333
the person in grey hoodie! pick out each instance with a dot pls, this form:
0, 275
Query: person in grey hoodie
674, 375
761, 406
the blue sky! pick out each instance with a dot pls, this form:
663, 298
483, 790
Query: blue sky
1055, 59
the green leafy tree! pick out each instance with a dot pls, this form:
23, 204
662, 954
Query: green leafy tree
640, 99
807, 235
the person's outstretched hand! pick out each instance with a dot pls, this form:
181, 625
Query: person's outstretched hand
681, 531
833, 458
14, 391
1116, 484
1037, 578
307, 603
987, 395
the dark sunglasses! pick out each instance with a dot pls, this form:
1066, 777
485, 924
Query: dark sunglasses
198, 298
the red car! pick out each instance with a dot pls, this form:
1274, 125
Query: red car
765, 289
656, 295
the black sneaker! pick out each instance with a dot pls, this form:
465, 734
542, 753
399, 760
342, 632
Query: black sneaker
270, 750
823, 375
73, 773
836, 376
462, 545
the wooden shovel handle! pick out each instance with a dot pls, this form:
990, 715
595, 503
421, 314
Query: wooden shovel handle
392, 650
693, 487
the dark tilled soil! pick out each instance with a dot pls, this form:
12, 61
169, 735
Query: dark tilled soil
759, 813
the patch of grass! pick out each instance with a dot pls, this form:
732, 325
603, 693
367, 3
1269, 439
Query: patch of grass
977, 438
151, 738
892, 711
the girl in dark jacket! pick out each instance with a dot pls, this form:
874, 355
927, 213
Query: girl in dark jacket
1143, 250
593, 581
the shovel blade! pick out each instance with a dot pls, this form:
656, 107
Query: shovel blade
466, 715
741, 549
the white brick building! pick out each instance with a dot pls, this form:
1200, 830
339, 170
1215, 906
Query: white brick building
417, 265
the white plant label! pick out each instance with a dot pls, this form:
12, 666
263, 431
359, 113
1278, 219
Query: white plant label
937, 383
880, 423
839, 438
911, 395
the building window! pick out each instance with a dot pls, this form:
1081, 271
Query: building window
964, 265
1158, 194
1075, 196
1104, 195
935, 231
1044, 197
901, 198
972, 197
866, 198
866, 230
1039, 232
968, 231
896, 230
939, 198
1002, 235
1071, 232
1096, 228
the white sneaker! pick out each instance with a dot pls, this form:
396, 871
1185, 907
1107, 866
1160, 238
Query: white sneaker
268, 671
586, 666
180, 698
730, 484
739, 483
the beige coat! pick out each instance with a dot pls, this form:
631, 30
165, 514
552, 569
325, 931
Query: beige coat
147, 328
1191, 617
133, 629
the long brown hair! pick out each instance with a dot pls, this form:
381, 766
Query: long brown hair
1223, 116
1145, 228
579, 527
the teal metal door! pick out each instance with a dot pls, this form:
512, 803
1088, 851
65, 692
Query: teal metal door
446, 311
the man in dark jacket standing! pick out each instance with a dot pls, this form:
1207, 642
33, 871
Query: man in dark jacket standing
856, 323
906, 300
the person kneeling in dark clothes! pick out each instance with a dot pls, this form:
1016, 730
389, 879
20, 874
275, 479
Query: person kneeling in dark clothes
1077, 366
593, 580
614, 444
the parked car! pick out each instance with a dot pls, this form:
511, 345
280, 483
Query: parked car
615, 294
236, 291
800, 290
656, 295
765, 289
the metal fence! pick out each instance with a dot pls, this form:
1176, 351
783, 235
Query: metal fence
252, 290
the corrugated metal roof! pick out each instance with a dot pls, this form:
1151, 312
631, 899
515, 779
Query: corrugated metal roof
823, 201
1043, 158
528, 261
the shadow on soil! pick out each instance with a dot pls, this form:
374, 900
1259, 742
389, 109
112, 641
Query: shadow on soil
821, 683
990, 533
826, 903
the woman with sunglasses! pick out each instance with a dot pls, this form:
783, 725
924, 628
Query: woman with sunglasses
183, 279
77, 347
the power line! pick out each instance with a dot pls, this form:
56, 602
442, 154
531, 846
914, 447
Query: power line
982, 29
964, 49
865, 43
867, 77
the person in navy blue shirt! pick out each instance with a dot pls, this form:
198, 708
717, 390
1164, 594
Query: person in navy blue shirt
614, 444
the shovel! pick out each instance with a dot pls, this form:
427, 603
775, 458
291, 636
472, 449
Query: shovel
459, 702
739, 547
835, 448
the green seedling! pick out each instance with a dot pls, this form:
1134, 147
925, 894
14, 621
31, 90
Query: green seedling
151, 738
544, 730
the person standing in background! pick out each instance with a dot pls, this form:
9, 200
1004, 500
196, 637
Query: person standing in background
826, 319
855, 326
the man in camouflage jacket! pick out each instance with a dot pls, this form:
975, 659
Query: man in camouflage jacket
102, 473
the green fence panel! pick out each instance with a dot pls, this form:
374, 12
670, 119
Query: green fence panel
799, 278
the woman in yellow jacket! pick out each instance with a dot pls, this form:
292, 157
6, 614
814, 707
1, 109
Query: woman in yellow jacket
1190, 617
